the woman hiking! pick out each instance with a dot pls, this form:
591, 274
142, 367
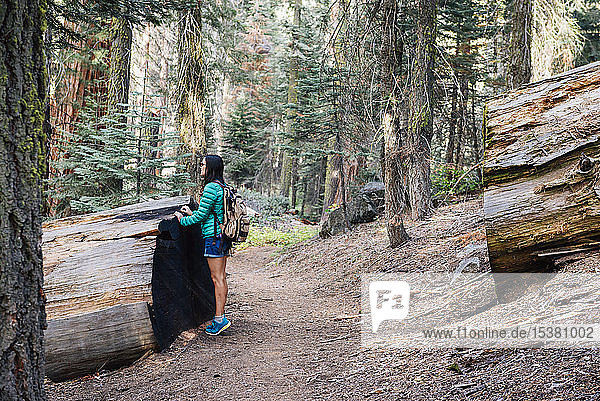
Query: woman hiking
216, 249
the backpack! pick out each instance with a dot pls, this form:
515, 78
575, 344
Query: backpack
236, 222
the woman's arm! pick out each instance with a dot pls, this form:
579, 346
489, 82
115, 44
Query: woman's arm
207, 204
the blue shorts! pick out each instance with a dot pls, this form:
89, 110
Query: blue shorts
213, 248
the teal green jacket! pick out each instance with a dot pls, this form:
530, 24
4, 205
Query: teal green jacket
212, 199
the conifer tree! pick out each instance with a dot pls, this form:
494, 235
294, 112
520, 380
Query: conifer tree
242, 143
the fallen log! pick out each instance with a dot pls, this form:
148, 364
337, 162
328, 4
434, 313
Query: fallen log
542, 163
104, 339
97, 282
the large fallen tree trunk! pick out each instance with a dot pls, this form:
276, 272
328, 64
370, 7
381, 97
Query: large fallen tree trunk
97, 281
542, 193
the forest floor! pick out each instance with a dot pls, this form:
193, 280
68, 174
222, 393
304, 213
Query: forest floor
295, 334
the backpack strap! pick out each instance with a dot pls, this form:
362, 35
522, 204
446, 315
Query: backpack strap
215, 219
224, 204
215, 229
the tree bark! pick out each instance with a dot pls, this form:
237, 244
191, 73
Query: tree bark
118, 77
451, 134
332, 178
22, 165
191, 107
334, 158
294, 183
286, 173
120, 65
462, 126
519, 52
417, 152
71, 353
289, 156
391, 58
541, 172
477, 143
97, 306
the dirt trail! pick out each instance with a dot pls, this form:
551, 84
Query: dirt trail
282, 344
285, 343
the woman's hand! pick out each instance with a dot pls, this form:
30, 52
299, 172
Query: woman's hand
178, 215
186, 210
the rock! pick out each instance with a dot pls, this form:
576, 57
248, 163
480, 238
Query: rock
365, 207
333, 223
368, 204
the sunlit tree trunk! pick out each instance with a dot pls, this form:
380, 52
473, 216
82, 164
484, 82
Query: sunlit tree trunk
519, 53
22, 142
120, 64
119, 76
416, 151
191, 91
391, 58
335, 161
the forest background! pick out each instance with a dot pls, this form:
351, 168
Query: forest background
114, 102
305, 100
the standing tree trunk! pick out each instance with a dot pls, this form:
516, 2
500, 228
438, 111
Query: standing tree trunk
519, 52
118, 77
191, 108
477, 142
451, 134
334, 158
294, 182
22, 97
120, 65
462, 126
332, 175
391, 58
417, 152
286, 172
449, 158
289, 157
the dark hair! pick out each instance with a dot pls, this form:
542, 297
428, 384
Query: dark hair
214, 169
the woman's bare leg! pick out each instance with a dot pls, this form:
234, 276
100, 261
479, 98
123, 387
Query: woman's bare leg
217, 273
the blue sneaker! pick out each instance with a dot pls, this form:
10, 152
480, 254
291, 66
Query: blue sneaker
214, 328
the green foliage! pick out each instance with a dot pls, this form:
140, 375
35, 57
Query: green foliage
262, 124
445, 181
64, 15
268, 236
267, 206
588, 19
243, 143
107, 163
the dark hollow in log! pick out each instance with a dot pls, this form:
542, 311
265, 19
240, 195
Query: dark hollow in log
182, 289
97, 281
542, 193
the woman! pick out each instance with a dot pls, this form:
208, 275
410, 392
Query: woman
215, 248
